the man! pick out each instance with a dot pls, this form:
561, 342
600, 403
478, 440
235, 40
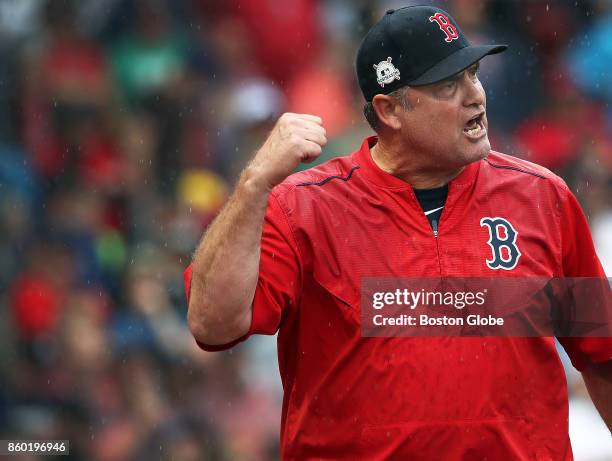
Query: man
288, 254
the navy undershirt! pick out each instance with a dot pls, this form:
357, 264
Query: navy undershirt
430, 200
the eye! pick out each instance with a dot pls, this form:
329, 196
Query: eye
446, 89
449, 86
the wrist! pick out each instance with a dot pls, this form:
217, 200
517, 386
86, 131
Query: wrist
253, 180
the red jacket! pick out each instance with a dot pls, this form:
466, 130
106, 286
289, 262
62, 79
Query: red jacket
347, 397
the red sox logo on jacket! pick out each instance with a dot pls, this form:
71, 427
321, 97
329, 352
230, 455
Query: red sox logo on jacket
445, 26
501, 235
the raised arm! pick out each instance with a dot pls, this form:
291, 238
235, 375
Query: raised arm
226, 263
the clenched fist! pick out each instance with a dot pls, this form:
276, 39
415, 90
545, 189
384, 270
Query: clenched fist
295, 138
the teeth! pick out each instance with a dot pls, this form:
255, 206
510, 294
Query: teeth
475, 131
473, 125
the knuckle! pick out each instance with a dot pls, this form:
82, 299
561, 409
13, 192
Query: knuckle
294, 139
315, 149
285, 119
286, 131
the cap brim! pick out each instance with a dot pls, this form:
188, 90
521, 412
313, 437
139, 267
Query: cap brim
456, 62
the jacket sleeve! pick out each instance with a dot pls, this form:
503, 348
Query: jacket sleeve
582, 266
280, 274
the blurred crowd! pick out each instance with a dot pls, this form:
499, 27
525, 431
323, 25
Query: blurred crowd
123, 127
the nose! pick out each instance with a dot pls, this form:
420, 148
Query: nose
474, 92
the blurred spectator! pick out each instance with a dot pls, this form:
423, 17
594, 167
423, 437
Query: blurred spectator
567, 122
151, 67
590, 56
286, 36
38, 294
65, 99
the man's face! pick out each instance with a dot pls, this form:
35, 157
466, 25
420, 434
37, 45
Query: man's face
447, 122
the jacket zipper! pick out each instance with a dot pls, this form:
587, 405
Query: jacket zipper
434, 226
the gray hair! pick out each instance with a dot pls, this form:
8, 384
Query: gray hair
372, 117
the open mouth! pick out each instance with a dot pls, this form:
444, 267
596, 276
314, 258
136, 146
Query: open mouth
475, 128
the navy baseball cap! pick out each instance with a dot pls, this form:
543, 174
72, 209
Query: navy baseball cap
414, 45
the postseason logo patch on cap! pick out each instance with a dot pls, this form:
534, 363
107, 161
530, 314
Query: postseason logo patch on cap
386, 72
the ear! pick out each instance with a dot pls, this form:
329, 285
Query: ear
388, 111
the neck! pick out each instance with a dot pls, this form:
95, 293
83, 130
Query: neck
409, 166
